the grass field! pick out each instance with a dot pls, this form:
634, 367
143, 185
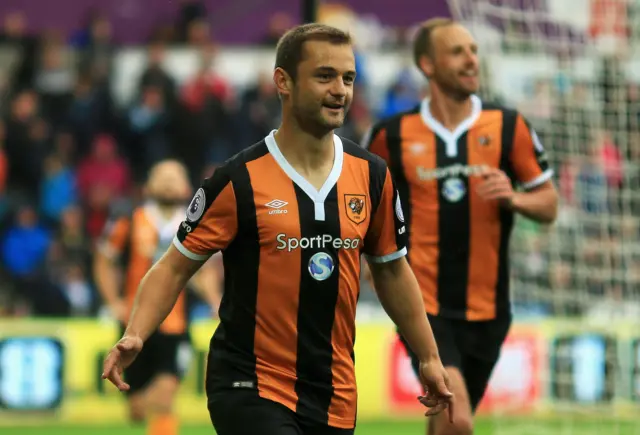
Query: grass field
483, 427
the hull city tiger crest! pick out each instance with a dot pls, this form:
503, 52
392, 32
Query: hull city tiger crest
356, 207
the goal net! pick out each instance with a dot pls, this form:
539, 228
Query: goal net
571, 68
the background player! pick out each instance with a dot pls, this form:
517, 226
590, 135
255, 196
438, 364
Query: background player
292, 215
136, 241
455, 160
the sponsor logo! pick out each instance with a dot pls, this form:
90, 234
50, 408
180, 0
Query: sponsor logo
276, 206
450, 171
453, 189
321, 266
324, 241
196, 207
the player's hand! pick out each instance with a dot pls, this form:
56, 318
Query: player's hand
119, 358
435, 380
496, 185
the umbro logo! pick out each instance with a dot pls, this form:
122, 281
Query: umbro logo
277, 205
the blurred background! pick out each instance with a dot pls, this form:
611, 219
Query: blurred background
94, 92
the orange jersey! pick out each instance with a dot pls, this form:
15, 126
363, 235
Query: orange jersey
458, 242
291, 256
138, 241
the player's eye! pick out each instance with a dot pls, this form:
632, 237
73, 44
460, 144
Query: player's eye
348, 80
325, 77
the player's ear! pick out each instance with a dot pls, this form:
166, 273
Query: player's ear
283, 82
426, 65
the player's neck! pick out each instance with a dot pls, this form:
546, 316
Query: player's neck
448, 111
307, 153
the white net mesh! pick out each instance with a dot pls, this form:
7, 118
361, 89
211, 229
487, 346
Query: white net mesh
569, 67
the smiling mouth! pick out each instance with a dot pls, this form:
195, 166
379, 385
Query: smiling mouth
334, 106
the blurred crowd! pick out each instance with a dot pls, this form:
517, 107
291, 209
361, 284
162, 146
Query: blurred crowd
68, 153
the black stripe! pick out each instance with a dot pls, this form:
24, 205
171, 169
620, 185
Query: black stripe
454, 233
232, 357
541, 158
509, 118
377, 175
316, 312
394, 144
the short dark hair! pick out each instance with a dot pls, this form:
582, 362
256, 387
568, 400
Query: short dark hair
423, 44
289, 50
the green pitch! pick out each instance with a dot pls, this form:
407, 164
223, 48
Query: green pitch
483, 427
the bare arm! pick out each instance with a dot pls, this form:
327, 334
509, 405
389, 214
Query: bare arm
539, 204
105, 272
399, 294
158, 292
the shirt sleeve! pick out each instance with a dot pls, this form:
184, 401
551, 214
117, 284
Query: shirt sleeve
528, 157
386, 239
375, 140
113, 240
211, 221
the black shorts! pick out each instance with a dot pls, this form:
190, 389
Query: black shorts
243, 412
471, 347
161, 354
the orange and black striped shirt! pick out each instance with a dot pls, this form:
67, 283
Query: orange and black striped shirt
458, 242
291, 257
138, 240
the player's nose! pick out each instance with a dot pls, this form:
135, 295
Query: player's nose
338, 89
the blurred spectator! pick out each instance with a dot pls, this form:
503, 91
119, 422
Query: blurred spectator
72, 238
59, 188
25, 145
69, 262
81, 38
24, 250
279, 23
156, 75
64, 147
148, 128
199, 33
96, 55
207, 124
14, 34
85, 117
206, 83
103, 177
190, 11
403, 94
261, 108
25, 244
54, 81
103, 168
